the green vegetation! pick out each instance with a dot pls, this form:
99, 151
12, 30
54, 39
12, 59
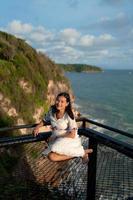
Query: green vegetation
5, 120
8, 161
24, 78
80, 68
19, 61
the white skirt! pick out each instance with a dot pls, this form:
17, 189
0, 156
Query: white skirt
66, 146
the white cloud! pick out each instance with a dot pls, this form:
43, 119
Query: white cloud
17, 26
104, 52
41, 36
70, 45
69, 35
69, 32
87, 40
64, 54
106, 37
34, 35
91, 40
41, 29
37, 37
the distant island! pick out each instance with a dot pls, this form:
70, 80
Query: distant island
80, 68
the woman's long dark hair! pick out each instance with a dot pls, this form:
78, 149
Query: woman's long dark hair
68, 108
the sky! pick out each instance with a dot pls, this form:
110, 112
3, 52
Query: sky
96, 32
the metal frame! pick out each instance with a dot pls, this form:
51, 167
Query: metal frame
95, 138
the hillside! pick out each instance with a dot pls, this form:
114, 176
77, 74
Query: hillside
80, 68
29, 81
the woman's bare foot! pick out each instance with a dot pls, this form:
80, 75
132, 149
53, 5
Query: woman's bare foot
87, 151
85, 158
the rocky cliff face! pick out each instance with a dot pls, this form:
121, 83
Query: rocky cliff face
29, 82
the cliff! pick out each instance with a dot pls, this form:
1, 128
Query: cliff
29, 82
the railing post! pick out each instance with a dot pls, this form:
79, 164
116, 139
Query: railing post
91, 182
83, 123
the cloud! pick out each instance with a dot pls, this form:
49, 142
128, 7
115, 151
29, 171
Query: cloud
64, 54
72, 46
17, 26
105, 39
87, 40
84, 47
91, 40
69, 36
39, 36
33, 35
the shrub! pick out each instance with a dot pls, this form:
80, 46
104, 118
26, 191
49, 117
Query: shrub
7, 53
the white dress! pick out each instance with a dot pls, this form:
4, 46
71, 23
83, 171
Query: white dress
64, 145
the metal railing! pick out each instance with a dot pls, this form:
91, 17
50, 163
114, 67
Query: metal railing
109, 171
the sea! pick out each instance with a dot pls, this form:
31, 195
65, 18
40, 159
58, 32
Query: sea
106, 97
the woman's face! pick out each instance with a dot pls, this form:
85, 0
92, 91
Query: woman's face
61, 103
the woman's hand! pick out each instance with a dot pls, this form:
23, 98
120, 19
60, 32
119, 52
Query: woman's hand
36, 131
71, 134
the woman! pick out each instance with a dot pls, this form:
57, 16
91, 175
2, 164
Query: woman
64, 143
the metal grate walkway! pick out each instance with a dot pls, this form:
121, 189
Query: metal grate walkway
26, 174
